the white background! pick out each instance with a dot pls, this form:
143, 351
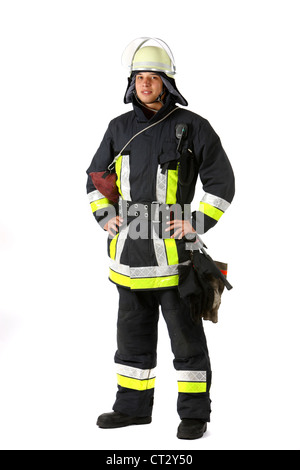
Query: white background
61, 83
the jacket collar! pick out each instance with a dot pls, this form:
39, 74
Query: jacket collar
141, 117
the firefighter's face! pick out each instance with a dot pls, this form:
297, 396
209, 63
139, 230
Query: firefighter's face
148, 87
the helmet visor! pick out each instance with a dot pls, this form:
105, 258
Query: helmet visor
137, 44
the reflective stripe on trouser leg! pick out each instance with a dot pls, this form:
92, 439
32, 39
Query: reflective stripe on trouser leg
192, 381
136, 355
194, 390
191, 357
134, 378
135, 390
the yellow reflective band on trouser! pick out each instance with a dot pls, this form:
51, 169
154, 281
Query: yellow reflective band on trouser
172, 185
135, 384
192, 387
171, 249
145, 282
100, 204
211, 211
112, 247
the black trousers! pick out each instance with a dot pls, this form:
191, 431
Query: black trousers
136, 356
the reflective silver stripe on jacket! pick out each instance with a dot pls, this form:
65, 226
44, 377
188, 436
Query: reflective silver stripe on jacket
161, 186
146, 271
125, 175
161, 196
95, 196
158, 243
215, 201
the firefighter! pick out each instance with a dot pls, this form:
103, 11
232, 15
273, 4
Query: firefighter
166, 148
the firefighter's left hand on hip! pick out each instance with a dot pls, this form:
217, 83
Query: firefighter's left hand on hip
181, 228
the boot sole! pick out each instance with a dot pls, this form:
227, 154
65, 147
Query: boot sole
136, 422
191, 436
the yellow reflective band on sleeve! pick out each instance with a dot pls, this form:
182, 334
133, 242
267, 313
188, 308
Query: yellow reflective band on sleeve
192, 387
100, 204
171, 249
112, 247
135, 384
211, 211
172, 185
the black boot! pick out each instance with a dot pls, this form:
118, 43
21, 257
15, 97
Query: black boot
191, 429
119, 420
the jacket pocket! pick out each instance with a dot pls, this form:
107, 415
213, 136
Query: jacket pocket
169, 157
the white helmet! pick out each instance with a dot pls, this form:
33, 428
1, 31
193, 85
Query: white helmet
155, 56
